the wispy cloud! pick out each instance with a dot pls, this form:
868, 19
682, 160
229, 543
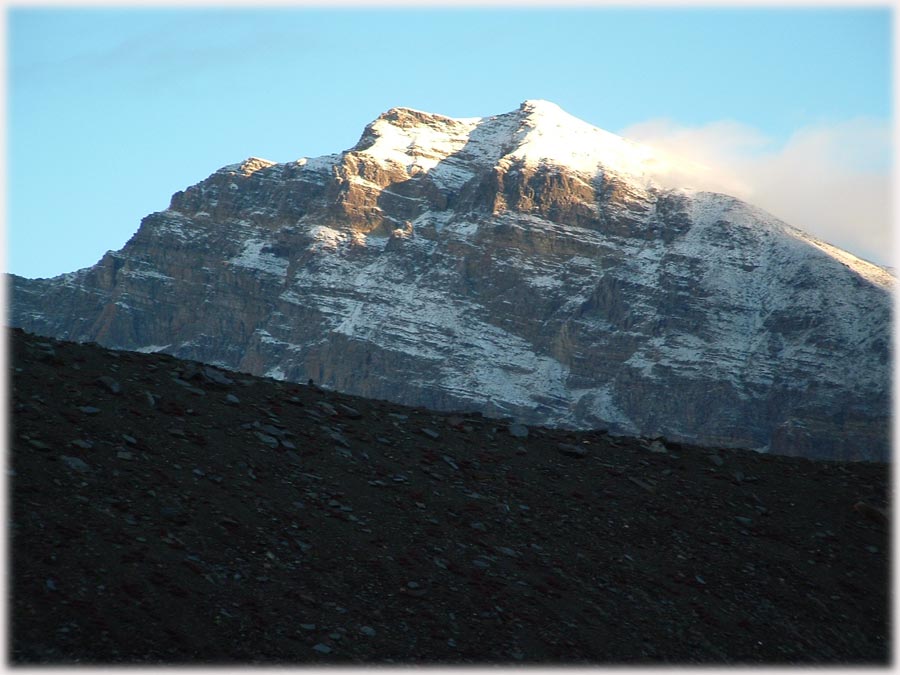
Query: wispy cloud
831, 180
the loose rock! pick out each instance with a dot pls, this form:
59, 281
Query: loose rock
517, 430
327, 408
572, 450
347, 411
265, 438
75, 463
657, 447
213, 375
109, 384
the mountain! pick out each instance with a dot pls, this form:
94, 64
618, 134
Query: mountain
525, 264
167, 512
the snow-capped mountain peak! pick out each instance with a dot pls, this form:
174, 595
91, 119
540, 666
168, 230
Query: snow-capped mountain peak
549, 134
538, 132
525, 264
248, 166
412, 138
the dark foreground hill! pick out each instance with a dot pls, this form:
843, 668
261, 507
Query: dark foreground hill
167, 512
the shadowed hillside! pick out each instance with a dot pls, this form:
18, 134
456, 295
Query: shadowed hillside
163, 511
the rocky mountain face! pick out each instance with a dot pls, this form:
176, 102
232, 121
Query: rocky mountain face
526, 265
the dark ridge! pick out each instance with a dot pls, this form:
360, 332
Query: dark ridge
164, 511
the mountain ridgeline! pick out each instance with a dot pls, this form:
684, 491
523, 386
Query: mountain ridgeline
524, 265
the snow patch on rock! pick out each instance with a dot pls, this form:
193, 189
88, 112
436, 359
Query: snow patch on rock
253, 256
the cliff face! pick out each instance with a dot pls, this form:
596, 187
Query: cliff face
525, 264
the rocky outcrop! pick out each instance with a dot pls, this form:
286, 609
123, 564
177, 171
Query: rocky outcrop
525, 265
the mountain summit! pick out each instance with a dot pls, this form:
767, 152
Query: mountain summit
539, 132
527, 265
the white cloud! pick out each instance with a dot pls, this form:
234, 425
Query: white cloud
831, 180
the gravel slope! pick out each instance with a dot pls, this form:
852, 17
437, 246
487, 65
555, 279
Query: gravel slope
167, 512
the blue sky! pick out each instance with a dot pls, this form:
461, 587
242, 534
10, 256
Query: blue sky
110, 111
